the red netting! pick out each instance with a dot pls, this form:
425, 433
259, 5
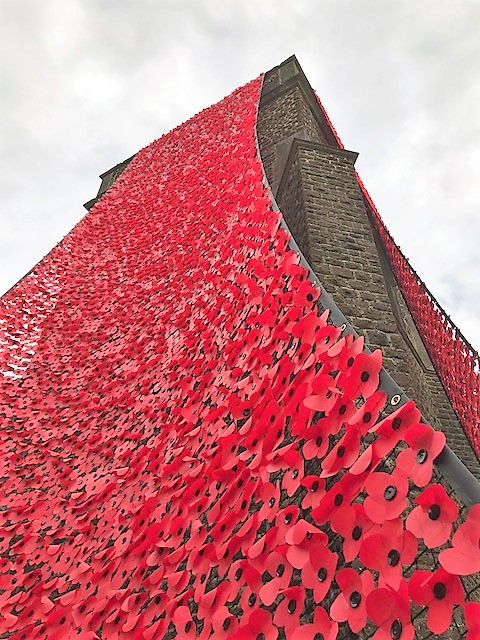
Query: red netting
455, 360
190, 449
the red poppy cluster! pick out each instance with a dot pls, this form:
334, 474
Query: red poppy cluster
182, 450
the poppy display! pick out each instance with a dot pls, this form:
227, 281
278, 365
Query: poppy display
190, 447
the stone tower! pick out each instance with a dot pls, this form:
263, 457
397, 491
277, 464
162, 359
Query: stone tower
197, 442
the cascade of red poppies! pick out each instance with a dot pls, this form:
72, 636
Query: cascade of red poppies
189, 448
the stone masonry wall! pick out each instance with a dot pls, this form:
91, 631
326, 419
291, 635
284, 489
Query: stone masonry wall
322, 203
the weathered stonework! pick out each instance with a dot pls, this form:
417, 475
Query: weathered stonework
316, 188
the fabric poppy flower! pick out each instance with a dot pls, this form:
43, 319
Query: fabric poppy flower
363, 377
321, 627
417, 461
288, 612
439, 591
316, 441
259, 623
433, 518
351, 604
280, 571
389, 609
315, 487
326, 393
319, 571
184, 623
387, 550
471, 611
463, 558
343, 454
387, 495
393, 428
223, 623
339, 495
294, 472
367, 415
300, 538
353, 524
269, 495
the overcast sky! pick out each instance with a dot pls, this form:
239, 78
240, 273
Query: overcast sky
86, 83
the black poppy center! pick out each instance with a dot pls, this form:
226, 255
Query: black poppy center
393, 558
226, 624
338, 500
390, 492
314, 486
318, 441
318, 636
280, 570
365, 376
434, 512
396, 629
341, 451
291, 606
357, 532
422, 455
355, 599
271, 502
322, 574
288, 518
252, 599
439, 590
396, 425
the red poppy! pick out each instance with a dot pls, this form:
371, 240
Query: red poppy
326, 393
322, 626
288, 612
367, 414
269, 495
316, 441
184, 623
439, 591
363, 376
417, 461
319, 571
350, 605
472, 619
390, 610
294, 472
299, 538
352, 523
315, 491
387, 550
387, 495
280, 571
433, 518
463, 558
343, 454
339, 495
259, 623
392, 429
223, 624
